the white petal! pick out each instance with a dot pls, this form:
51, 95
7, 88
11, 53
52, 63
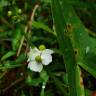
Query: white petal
46, 59
47, 51
33, 53
34, 66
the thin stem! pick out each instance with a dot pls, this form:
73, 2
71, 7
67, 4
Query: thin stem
12, 84
21, 43
28, 26
30, 23
3, 74
43, 88
6, 22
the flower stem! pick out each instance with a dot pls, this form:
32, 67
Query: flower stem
43, 88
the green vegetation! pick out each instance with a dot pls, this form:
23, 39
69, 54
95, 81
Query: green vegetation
48, 48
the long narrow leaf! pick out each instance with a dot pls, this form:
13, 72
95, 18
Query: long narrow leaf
80, 39
66, 48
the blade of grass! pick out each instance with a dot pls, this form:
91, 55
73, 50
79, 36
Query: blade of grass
67, 49
80, 39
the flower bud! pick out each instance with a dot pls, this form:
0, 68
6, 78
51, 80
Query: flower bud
9, 13
19, 11
42, 47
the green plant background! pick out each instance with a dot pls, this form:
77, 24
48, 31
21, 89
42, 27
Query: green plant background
68, 27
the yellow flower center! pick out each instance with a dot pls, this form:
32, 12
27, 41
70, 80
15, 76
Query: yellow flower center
38, 58
42, 47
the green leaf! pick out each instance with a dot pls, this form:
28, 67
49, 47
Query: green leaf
21, 58
66, 47
80, 84
44, 75
46, 1
3, 3
16, 39
33, 82
42, 26
77, 33
8, 54
59, 85
89, 63
88, 92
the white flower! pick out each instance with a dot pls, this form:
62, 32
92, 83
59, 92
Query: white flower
38, 58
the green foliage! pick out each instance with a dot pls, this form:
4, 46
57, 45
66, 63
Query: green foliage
7, 55
72, 28
66, 48
16, 39
65, 26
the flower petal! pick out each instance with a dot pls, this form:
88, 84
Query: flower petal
33, 53
47, 51
34, 66
46, 59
